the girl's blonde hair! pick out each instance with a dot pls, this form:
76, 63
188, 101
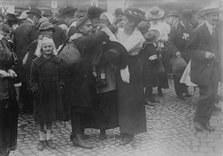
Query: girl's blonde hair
41, 41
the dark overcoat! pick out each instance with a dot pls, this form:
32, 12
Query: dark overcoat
79, 77
203, 71
179, 38
23, 36
46, 82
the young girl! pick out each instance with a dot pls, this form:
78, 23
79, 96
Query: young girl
46, 85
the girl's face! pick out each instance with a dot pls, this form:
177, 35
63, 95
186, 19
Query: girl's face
47, 48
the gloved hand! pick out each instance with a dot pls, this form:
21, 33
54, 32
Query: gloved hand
125, 74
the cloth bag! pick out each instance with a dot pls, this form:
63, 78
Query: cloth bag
69, 53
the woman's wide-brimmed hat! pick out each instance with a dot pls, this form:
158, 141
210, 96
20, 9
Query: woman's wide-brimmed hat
35, 11
152, 36
135, 13
155, 13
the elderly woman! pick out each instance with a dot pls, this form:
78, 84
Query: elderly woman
131, 109
8, 103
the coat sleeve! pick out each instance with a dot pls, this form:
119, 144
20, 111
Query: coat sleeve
34, 81
193, 46
171, 42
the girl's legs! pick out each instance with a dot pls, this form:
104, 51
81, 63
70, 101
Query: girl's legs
49, 142
40, 146
102, 135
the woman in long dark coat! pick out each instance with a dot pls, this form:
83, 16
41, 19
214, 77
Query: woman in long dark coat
131, 109
8, 103
46, 83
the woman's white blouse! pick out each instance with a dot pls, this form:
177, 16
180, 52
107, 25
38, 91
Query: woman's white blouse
133, 43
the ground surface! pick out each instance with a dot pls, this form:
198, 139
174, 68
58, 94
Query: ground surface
170, 132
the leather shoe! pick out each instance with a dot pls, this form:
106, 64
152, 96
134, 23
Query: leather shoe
40, 145
198, 126
210, 128
79, 142
181, 97
50, 144
102, 136
126, 140
160, 92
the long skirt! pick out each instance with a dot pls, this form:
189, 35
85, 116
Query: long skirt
131, 108
104, 113
8, 126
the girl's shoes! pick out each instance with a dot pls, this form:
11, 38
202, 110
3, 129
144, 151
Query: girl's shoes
40, 145
50, 144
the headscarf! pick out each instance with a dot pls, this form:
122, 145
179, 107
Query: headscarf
41, 41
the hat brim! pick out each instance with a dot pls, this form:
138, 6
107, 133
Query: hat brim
158, 16
115, 53
33, 13
133, 16
53, 29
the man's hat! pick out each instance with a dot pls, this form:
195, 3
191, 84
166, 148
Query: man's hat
46, 26
67, 11
82, 21
152, 36
11, 17
47, 13
35, 11
94, 12
187, 14
134, 13
115, 53
155, 13
173, 13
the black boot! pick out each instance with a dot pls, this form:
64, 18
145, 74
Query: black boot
79, 142
102, 135
160, 92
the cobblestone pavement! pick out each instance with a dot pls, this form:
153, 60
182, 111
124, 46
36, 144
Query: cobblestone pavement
170, 132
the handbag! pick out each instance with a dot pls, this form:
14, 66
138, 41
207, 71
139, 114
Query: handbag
69, 53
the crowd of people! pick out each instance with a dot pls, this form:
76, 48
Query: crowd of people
98, 70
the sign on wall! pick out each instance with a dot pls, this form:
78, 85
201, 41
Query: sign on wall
7, 9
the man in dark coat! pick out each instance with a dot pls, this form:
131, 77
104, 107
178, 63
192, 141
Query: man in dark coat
178, 38
79, 78
205, 55
23, 36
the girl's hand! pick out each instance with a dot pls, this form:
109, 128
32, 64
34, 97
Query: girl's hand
12, 73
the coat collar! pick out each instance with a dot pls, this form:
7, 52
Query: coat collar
40, 60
